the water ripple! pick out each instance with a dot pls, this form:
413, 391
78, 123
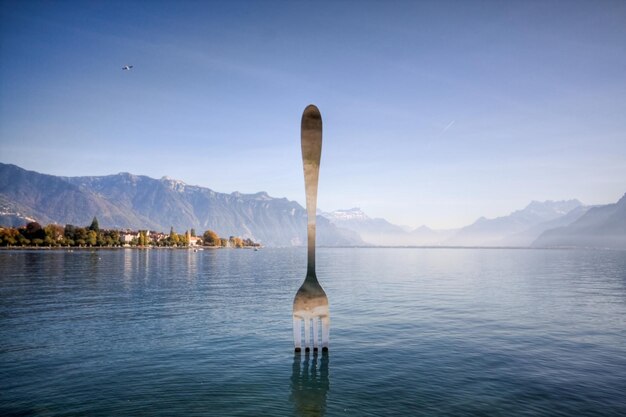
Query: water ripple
414, 332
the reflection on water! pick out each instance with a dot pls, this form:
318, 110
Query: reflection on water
165, 332
309, 384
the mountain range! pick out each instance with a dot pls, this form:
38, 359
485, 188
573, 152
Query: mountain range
380, 232
519, 228
139, 202
130, 201
600, 227
540, 224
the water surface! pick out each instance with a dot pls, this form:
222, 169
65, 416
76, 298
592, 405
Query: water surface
494, 332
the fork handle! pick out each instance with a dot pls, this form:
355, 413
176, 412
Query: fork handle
311, 141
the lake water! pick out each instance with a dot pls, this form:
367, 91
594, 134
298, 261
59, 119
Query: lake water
458, 332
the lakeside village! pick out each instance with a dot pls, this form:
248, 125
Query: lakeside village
54, 235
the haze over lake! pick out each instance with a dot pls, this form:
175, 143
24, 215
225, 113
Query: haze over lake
414, 332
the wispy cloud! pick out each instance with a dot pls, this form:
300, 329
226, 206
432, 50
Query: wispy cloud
448, 126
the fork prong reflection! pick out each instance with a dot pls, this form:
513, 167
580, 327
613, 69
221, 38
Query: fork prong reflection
310, 384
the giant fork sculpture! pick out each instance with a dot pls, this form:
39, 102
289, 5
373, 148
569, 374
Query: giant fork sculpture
310, 304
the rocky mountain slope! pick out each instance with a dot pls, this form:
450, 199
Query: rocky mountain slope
139, 202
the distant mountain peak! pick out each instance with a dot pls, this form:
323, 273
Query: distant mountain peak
125, 175
423, 228
549, 208
174, 184
552, 203
352, 214
261, 195
598, 227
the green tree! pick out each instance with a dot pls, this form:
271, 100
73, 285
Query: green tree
101, 238
80, 236
54, 234
106, 240
143, 239
115, 237
94, 225
22, 241
32, 231
92, 238
173, 239
9, 236
70, 231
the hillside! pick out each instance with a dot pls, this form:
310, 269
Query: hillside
140, 202
519, 228
599, 227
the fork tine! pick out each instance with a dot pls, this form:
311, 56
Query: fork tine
325, 332
315, 333
307, 334
297, 333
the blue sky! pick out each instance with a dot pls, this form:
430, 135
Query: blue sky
434, 112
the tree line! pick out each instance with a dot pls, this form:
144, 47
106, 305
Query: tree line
54, 235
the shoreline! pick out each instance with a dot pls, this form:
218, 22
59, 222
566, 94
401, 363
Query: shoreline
91, 248
202, 248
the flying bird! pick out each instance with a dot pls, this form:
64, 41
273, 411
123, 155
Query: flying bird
127, 67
